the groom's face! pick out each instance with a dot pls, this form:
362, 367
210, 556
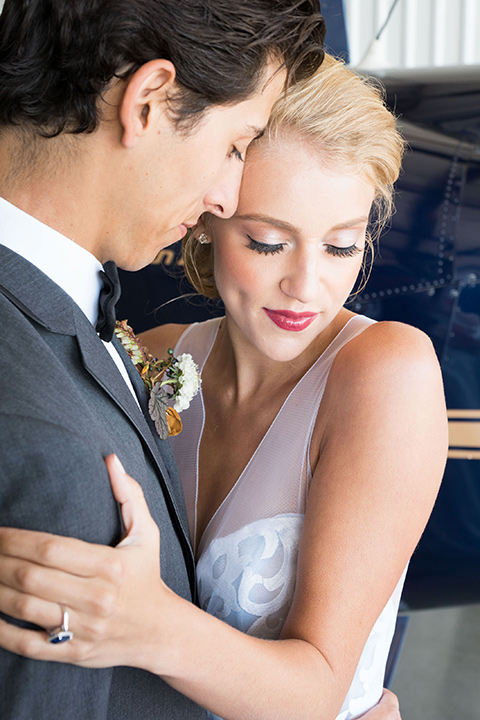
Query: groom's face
180, 175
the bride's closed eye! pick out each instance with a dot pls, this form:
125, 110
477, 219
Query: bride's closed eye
349, 251
264, 248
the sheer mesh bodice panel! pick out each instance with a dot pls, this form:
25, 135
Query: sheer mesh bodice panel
247, 555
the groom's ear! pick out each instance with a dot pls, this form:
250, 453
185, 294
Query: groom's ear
145, 98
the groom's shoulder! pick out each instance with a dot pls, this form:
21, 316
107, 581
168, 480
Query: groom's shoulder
33, 372
18, 346
160, 339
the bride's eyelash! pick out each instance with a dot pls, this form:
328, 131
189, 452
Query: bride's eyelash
267, 249
264, 248
342, 251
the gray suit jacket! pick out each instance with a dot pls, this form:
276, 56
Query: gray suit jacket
63, 407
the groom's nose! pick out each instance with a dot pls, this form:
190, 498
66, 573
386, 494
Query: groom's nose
222, 198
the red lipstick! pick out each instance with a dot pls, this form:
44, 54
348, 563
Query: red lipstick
292, 321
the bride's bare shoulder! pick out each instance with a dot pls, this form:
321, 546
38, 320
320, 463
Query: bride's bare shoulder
158, 340
387, 360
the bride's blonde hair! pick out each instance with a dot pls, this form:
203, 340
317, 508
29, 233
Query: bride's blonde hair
343, 116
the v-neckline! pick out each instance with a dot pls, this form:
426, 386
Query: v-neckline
198, 545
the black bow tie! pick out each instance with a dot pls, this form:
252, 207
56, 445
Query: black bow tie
107, 300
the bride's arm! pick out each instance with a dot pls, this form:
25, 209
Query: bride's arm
383, 443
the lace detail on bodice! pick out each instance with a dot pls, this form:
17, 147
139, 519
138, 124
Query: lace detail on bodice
248, 553
247, 578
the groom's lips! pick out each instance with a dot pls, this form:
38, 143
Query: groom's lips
289, 320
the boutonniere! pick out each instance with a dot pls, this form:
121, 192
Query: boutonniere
174, 380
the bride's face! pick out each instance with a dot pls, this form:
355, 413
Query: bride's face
286, 262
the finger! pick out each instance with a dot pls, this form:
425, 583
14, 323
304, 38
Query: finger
55, 551
38, 580
34, 644
28, 643
139, 525
34, 593
28, 608
89, 621
386, 709
390, 699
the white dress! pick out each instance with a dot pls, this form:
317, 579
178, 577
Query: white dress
247, 556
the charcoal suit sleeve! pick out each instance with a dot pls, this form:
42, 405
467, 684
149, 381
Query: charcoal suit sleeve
53, 480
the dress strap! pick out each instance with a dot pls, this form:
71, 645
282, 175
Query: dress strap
198, 339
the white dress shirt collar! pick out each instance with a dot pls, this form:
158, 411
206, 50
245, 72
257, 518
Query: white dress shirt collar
69, 265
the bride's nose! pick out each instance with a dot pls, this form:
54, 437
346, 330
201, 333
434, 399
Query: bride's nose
301, 280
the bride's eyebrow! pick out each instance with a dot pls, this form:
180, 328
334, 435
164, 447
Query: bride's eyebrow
350, 223
282, 224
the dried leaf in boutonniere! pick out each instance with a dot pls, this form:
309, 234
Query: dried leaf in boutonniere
173, 379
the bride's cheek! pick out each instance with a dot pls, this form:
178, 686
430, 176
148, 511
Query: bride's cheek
243, 273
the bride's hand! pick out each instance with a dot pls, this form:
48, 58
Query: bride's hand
113, 595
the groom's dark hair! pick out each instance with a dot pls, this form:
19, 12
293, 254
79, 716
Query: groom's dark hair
58, 56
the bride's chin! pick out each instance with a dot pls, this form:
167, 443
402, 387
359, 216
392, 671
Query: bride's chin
284, 352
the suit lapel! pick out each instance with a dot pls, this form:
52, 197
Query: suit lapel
35, 294
99, 364
163, 447
137, 382
48, 305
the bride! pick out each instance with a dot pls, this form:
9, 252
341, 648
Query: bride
310, 459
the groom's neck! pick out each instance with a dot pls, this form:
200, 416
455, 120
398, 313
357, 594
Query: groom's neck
59, 181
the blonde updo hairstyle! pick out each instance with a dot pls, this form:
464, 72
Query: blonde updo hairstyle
343, 116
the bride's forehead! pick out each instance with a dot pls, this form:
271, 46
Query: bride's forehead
301, 191
272, 160
287, 142
292, 166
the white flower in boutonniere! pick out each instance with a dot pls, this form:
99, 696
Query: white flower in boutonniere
167, 380
188, 381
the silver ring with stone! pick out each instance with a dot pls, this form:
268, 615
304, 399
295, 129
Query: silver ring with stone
61, 634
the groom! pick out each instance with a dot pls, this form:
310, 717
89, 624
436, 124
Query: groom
120, 123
